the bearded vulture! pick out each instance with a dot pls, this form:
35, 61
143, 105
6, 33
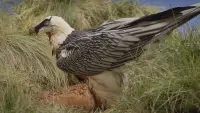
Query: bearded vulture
98, 55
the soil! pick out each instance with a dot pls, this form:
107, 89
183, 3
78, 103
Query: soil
75, 96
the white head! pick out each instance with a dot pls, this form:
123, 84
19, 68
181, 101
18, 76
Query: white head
56, 28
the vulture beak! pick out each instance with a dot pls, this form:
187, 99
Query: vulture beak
32, 31
37, 28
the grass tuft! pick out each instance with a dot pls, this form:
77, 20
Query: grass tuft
164, 79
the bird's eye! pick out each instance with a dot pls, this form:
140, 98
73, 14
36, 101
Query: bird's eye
46, 23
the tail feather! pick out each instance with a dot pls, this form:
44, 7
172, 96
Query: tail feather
186, 15
159, 24
170, 13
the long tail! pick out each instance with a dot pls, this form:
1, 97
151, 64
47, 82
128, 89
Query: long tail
160, 24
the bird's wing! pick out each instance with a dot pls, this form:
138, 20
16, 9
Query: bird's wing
118, 22
103, 49
96, 52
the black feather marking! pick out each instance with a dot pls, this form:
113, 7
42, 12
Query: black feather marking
112, 45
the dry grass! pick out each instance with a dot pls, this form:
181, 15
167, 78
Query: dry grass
164, 80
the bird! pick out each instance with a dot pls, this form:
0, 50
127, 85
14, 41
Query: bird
98, 55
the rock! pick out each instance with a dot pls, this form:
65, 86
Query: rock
75, 96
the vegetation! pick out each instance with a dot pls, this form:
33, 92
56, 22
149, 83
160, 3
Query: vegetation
165, 79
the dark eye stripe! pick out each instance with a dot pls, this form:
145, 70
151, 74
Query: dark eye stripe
45, 20
49, 18
42, 24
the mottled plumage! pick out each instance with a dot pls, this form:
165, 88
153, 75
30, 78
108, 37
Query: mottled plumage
113, 44
98, 55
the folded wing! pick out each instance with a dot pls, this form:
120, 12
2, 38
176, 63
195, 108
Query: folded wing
115, 43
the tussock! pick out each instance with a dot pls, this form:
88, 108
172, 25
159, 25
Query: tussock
165, 79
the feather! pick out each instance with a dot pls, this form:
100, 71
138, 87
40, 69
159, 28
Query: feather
114, 43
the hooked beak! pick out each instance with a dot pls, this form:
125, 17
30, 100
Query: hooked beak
35, 29
32, 31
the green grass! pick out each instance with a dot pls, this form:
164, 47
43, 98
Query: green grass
164, 80
81, 14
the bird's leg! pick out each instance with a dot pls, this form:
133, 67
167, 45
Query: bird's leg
82, 78
99, 103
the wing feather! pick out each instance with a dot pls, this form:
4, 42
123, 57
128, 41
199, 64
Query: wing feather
115, 43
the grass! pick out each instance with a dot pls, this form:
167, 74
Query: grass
164, 80
82, 14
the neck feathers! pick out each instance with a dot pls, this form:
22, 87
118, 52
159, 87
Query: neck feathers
59, 35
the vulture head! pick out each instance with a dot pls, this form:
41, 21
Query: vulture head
56, 28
